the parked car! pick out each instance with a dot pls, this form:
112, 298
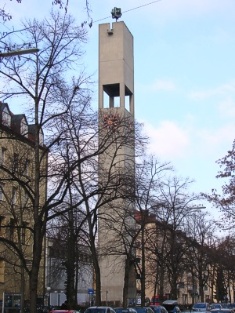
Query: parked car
64, 311
215, 306
99, 309
228, 306
222, 311
201, 307
156, 300
143, 309
171, 306
158, 309
125, 310
53, 308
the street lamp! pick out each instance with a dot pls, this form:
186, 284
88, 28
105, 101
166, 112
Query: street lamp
18, 52
49, 295
57, 297
107, 297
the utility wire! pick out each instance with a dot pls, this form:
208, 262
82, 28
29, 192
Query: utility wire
105, 18
141, 6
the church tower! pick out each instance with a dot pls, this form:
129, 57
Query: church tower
116, 104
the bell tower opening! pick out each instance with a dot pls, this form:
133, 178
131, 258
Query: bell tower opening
111, 97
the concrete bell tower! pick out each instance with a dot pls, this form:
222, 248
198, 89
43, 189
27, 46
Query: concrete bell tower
116, 98
116, 67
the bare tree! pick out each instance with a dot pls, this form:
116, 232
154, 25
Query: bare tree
174, 204
224, 261
224, 201
150, 173
77, 150
72, 263
5, 15
94, 185
40, 81
16, 207
199, 230
158, 252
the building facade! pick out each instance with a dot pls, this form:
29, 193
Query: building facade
17, 155
196, 277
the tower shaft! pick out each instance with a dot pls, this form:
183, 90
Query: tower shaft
116, 107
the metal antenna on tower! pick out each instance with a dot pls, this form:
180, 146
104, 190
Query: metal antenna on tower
116, 13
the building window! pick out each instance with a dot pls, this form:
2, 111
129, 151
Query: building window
3, 155
14, 195
25, 198
24, 127
41, 139
2, 270
6, 117
23, 233
11, 229
1, 191
15, 162
1, 225
27, 164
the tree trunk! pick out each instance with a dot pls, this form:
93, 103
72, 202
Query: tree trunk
97, 283
34, 274
161, 284
126, 282
71, 292
143, 268
201, 291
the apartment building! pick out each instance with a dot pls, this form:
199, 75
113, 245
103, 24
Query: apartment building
161, 249
17, 180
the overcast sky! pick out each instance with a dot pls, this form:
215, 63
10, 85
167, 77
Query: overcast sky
184, 54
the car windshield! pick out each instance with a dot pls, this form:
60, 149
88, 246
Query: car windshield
169, 307
140, 310
96, 310
121, 310
155, 308
222, 311
199, 305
